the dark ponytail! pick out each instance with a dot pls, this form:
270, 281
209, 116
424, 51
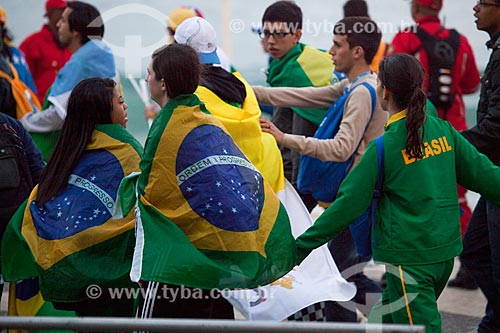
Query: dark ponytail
403, 76
415, 120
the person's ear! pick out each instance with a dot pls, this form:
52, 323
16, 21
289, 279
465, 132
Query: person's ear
76, 35
163, 85
386, 94
359, 52
298, 35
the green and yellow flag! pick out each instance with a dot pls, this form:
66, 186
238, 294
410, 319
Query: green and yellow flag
25, 300
72, 241
206, 218
302, 66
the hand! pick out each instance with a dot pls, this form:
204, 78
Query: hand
151, 110
269, 127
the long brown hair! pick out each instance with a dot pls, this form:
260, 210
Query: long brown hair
90, 103
403, 76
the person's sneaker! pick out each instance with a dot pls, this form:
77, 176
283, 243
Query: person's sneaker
463, 280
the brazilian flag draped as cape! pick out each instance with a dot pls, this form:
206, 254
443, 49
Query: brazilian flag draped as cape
72, 241
302, 66
205, 217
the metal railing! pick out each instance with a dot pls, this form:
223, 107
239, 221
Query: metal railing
93, 324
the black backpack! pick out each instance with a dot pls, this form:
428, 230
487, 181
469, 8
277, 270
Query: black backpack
441, 55
15, 177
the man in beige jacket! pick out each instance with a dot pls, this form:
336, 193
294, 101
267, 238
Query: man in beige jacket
351, 54
355, 43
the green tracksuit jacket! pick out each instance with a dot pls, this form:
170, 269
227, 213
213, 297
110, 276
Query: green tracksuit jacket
418, 216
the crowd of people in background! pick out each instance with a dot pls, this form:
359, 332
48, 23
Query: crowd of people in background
206, 185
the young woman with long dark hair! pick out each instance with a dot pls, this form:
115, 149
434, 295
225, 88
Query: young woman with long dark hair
67, 223
416, 232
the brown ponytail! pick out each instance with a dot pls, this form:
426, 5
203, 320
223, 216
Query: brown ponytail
415, 119
403, 76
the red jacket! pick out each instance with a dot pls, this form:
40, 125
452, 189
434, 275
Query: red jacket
44, 57
465, 76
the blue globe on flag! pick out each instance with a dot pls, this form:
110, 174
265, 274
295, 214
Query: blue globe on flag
218, 181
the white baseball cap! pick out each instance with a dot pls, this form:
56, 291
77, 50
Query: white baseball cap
200, 35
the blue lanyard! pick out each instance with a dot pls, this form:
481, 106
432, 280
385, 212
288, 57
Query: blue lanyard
347, 89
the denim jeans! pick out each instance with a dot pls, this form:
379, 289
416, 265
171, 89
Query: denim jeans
351, 265
481, 256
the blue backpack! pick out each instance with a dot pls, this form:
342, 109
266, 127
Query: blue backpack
361, 229
323, 179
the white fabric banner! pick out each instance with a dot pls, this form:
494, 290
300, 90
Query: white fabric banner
316, 279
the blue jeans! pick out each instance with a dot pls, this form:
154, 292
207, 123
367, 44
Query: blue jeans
481, 256
351, 265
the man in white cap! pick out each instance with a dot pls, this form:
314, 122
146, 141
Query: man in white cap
200, 35
179, 15
230, 98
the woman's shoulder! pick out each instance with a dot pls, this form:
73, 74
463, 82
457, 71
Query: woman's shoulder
119, 133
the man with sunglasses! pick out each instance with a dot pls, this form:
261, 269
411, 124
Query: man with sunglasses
293, 64
462, 73
481, 254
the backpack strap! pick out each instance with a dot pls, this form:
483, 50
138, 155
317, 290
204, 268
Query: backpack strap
26, 100
6, 76
17, 142
379, 142
377, 193
373, 96
6, 127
